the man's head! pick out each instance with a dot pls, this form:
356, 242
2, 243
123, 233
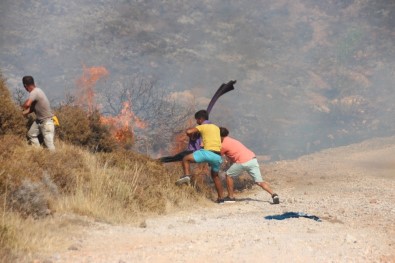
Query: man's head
28, 83
223, 131
201, 116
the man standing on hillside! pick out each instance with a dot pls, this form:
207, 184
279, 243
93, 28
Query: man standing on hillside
243, 159
39, 104
209, 154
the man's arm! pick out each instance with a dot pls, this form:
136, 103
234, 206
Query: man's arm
192, 131
27, 107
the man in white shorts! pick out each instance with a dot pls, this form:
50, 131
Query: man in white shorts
243, 159
39, 104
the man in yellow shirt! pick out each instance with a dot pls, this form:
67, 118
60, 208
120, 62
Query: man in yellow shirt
211, 152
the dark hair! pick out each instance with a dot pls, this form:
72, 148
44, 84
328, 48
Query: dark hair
27, 80
223, 131
201, 114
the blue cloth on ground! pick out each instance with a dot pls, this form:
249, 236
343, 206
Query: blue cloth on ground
293, 215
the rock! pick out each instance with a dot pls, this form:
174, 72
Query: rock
143, 224
73, 247
191, 221
350, 239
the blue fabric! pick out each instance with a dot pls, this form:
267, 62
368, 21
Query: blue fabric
293, 215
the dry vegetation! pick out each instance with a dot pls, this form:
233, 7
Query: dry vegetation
42, 191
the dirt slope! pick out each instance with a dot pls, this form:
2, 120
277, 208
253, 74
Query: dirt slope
350, 188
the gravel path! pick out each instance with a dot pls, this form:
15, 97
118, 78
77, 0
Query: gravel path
350, 188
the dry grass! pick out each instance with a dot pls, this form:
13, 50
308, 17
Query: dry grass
40, 190
38, 187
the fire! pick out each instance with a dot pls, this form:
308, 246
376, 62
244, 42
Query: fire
180, 140
121, 125
87, 82
179, 143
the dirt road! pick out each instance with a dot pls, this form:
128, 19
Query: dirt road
351, 189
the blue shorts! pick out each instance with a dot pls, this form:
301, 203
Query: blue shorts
204, 156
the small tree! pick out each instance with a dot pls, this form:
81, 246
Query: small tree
162, 116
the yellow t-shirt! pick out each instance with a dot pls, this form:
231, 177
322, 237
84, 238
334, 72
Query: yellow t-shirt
211, 136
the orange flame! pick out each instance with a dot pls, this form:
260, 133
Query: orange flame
86, 83
179, 143
121, 125
180, 140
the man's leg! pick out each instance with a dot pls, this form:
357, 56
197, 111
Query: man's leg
186, 163
234, 170
48, 132
33, 133
229, 186
186, 178
215, 161
218, 185
253, 169
266, 187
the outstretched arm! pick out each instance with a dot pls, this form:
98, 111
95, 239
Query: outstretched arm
192, 131
27, 107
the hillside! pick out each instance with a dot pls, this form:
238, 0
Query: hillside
311, 74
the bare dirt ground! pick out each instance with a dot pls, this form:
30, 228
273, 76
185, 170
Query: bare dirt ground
350, 188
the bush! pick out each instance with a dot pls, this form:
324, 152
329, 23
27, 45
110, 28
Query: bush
74, 125
30, 199
81, 128
101, 139
11, 118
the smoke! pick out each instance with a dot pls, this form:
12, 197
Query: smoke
295, 62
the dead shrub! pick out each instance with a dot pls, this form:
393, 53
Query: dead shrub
30, 199
63, 167
243, 182
81, 128
8, 143
11, 118
101, 139
74, 125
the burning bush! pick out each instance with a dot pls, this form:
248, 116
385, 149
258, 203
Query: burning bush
101, 139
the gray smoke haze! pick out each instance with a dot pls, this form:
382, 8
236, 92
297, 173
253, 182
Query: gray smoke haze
310, 74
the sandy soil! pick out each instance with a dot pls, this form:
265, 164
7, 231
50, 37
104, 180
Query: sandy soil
350, 188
